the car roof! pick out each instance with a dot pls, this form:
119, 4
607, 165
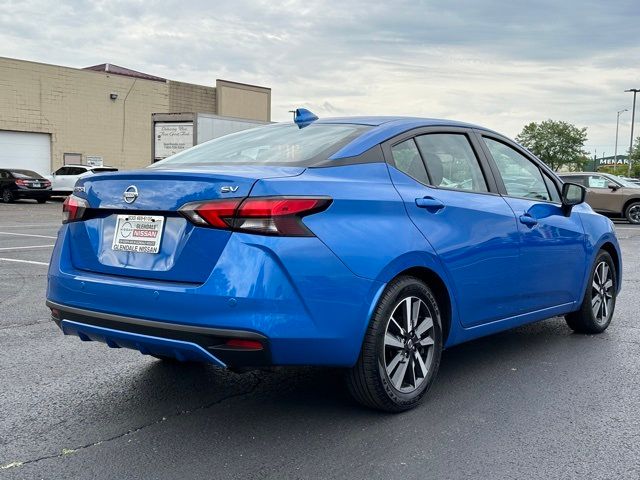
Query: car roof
85, 166
384, 128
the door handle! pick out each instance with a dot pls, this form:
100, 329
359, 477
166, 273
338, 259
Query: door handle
528, 220
430, 203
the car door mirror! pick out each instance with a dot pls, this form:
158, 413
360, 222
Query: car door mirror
572, 194
613, 186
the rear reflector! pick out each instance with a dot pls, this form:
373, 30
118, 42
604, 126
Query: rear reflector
264, 215
73, 209
244, 344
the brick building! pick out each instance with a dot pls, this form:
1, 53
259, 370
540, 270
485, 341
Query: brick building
52, 115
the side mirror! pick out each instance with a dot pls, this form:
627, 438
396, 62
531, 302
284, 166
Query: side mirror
572, 194
612, 186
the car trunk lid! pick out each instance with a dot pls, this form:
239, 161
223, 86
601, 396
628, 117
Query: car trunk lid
186, 253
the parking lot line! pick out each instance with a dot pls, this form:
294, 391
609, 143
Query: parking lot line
27, 235
33, 262
25, 248
31, 225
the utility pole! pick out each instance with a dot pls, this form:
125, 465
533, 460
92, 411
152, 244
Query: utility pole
633, 119
615, 153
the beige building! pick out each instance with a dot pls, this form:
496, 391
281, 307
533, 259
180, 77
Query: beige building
52, 115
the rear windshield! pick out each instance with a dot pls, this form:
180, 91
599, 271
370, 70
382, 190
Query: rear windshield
25, 174
103, 169
278, 144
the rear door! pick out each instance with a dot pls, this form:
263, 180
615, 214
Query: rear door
451, 197
552, 244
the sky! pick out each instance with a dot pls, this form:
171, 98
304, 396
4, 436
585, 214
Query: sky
500, 64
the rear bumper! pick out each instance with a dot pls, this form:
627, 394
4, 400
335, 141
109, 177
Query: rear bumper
33, 194
183, 342
292, 292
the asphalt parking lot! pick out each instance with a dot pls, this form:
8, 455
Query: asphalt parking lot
536, 402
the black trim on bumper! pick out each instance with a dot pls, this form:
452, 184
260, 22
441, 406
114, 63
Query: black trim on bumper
212, 339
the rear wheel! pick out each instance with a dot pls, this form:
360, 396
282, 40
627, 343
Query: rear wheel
401, 351
632, 213
599, 301
7, 196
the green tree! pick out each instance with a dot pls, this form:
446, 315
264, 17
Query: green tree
635, 159
556, 143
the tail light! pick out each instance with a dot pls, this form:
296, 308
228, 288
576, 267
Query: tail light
21, 183
47, 183
264, 215
73, 209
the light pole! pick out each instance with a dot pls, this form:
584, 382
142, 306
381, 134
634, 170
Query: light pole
633, 118
615, 152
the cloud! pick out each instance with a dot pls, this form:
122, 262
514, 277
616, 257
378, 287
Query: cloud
500, 64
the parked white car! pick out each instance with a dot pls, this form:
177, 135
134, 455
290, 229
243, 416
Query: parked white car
64, 179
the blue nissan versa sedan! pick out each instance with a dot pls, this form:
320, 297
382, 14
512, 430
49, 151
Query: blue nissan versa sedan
365, 243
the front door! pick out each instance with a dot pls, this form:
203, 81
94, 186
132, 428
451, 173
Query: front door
472, 229
553, 246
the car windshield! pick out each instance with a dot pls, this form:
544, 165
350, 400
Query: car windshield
278, 144
623, 182
104, 169
25, 174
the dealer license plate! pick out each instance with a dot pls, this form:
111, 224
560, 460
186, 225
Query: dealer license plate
138, 233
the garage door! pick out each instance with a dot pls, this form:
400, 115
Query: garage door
31, 151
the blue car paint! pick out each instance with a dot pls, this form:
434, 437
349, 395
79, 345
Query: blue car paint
482, 273
386, 128
313, 297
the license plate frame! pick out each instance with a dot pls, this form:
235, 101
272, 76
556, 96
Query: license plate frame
138, 233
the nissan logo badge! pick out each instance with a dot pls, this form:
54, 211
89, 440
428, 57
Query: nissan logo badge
130, 194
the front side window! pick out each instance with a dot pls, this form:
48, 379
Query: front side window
451, 162
407, 159
278, 144
521, 177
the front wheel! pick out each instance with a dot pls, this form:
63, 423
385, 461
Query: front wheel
632, 213
401, 351
599, 300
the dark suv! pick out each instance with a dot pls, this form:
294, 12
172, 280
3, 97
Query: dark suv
16, 183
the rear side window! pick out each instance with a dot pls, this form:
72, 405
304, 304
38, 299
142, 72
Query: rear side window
521, 177
451, 162
25, 174
278, 144
407, 159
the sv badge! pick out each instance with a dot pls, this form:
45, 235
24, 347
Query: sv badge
229, 188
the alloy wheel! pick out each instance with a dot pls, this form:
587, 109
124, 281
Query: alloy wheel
602, 292
634, 214
409, 344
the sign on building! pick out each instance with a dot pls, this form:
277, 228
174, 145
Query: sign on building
171, 138
94, 160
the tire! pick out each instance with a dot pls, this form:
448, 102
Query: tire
41, 200
7, 196
598, 305
632, 213
388, 374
